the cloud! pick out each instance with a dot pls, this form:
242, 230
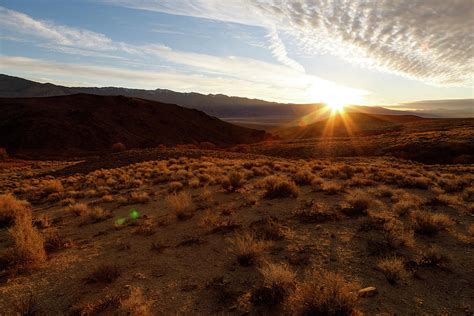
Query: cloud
279, 51
430, 41
233, 75
60, 34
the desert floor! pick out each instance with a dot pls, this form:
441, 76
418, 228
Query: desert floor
226, 234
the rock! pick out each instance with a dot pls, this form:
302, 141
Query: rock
368, 291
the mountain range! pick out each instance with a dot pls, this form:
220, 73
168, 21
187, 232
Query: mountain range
232, 109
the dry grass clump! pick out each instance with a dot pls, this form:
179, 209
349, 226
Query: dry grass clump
139, 197
136, 304
106, 273
79, 209
51, 186
247, 249
96, 215
107, 198
175, 186
10, 208
324, 293
29, 244
358, 201
269, 228
278, 283
43, 221
383, 191
317, 213
27, 305
430, 224
67, 201
433, 257
279, 187
393, 268
405, 207
91, 214
303, 177
232, 182
332, 187
396, 235
182, 204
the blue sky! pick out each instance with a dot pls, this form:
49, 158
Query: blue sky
359, 52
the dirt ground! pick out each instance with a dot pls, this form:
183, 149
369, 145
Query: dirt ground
182, 254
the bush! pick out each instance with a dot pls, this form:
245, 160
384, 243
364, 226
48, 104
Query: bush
359, 201
247, 249
278, 282
10, 208
324, 293
29, 245
393, 269
139, 197
279, 187
317, 213
232, 182
136, 304
431, 224
181, 203
104, 274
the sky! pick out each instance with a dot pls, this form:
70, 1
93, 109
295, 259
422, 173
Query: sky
379, 52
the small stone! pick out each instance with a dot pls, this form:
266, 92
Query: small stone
368, 291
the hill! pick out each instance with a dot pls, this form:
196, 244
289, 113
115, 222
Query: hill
349, 124
233, 109
82, 122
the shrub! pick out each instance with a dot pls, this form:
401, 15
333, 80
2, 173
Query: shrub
430, 224
10, 208
396, 235
393, 268
332, 187
324, 293
181, 203
52, 186
247, 249
279, 187
232, 182
317, 213
139, 197
105, 273
136, 304
303, 177
404, 207
433, 257
118, 147
175, 186
269, 228
79, 209
29, 245
278, 282
359, 201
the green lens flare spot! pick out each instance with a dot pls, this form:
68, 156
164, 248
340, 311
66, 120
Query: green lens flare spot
120, 221
134, 214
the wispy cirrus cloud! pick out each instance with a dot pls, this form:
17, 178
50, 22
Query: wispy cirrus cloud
430, 41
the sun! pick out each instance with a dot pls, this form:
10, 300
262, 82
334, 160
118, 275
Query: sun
336, 106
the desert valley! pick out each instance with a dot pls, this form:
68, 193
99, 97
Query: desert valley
263, 157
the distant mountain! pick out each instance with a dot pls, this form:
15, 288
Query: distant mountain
349, 124
232, 109
84, 122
